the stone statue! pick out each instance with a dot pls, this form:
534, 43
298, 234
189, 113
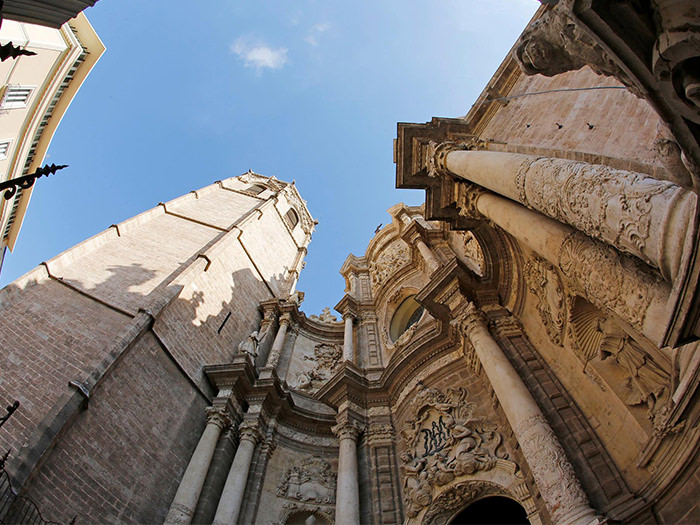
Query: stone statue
250, 345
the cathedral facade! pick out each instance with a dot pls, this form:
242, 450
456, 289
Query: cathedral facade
521, 347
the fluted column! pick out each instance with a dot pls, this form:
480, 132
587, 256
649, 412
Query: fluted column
187, 495
278, 343
347, 497
232, 495
610, 280
554, 475
635, 213
348, 343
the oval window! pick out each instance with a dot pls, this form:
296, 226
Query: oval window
407, 314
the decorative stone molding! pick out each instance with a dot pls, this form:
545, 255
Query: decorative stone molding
403, 339
379, 434
218, 416
443, 441
456, 498
470, 318
550, 467
326, 357
544, 283
312, 481
389, 261
608, 279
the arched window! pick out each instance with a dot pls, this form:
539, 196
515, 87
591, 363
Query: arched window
407, 314
256, 189
292, 218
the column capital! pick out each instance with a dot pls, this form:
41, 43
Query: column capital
468, 196
218, 416
285, 318
250, 430
347, 429
436, 156
470, 319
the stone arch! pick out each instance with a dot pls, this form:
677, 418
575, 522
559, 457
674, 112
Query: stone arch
459, 496
297, 514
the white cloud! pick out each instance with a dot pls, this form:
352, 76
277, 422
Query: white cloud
315, 32
259, 56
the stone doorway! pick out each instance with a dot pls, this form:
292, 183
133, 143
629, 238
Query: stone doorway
492, 510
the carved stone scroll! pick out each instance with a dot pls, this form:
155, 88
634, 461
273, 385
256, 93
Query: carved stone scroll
393, 258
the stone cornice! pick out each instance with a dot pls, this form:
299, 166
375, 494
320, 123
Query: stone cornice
348, 305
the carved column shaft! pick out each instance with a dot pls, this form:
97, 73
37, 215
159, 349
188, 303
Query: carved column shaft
610, 280
347, 503
633, 212
232, 496
185, 501
278, 343
554, 475
348, 343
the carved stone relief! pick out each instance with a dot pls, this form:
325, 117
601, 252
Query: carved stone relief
325, 317
544, 282
443, 440
403, 339
474, 254
326, 357
605, 203
312, 481
609, 279
600, 339
394, 257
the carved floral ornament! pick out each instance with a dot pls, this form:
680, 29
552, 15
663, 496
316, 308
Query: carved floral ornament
443, 441
436, 154
311, 481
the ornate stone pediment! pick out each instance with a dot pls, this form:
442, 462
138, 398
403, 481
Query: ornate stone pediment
312, 481
443, 440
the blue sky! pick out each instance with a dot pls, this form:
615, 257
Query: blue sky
189, 93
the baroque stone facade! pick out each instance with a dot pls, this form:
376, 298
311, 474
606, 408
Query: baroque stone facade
528, 333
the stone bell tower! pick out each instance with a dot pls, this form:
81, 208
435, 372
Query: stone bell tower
104, 345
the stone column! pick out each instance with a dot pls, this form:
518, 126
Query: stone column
430, 259
610, 280
635, 213
232, 496
554, 475
348, 343
347, 497
278, 344
185, 501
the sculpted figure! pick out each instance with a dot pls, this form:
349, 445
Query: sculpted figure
646, 379
250, 345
